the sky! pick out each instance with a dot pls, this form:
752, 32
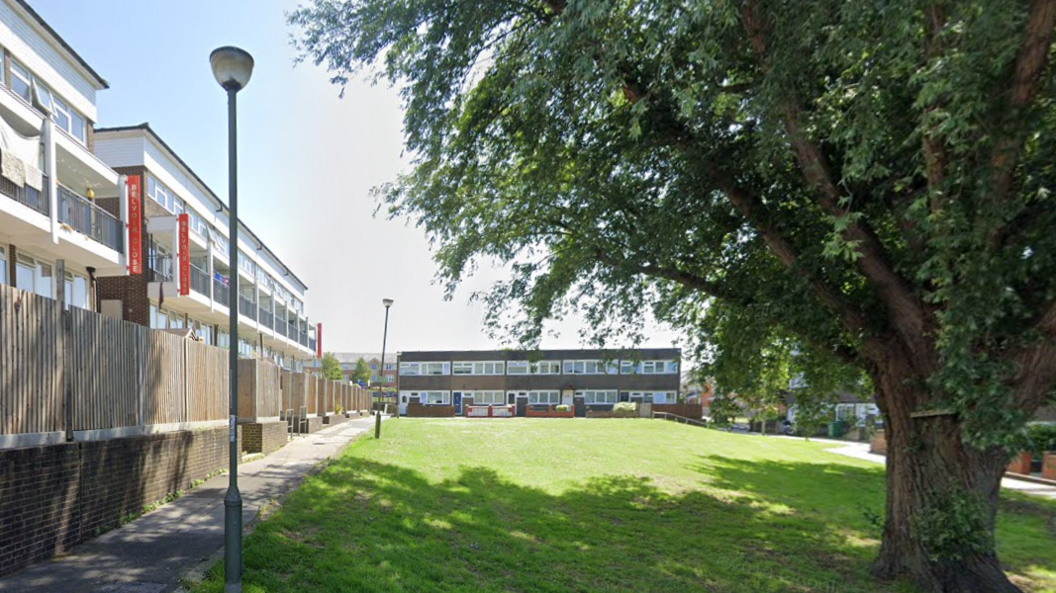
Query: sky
307, 162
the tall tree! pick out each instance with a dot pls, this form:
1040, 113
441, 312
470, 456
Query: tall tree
863, 184
331, 368
362, 372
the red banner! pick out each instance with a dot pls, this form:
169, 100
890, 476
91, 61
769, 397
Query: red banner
319, 340
184, 253
135, 226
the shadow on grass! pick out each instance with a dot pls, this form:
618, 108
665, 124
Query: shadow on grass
368, 526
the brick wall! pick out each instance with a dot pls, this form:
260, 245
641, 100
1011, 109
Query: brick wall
55, 497
266, 437
130, 290
423, 411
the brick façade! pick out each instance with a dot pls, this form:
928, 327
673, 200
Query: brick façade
57, 496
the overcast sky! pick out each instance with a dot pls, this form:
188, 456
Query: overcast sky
307, 161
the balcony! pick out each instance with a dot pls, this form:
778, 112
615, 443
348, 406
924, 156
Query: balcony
200, 281
266, 318
27, 196
221, 292
311, 344
292, 332
82, 215
304, 339
247, 308
280, 326
160, 266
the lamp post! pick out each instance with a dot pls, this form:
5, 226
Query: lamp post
384, 338
232, 68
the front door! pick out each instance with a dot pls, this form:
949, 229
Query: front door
403, 404
456, 397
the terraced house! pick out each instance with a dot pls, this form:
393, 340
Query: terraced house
188, 272
443, 383
55, 239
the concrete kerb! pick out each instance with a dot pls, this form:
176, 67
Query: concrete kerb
197, 574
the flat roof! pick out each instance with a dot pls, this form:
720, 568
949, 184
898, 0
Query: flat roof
145, 127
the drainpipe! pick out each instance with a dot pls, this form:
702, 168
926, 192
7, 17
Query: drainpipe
48, 133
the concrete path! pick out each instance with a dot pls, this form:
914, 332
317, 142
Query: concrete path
152, 553
861, 451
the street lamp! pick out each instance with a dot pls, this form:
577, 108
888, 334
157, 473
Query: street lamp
384, 338
232, 68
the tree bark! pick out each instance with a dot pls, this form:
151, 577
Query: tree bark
929, 467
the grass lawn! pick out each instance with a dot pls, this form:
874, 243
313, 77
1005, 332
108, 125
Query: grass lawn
545, 505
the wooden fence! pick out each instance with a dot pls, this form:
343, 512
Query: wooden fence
260, 388
66, 371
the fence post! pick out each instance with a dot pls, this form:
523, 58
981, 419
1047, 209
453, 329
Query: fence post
64, 353
139, 345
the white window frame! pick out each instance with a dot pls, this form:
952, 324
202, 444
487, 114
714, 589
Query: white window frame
589, 367
599, 396
546, 367
544, 397
443, 399
486, 398
478, 367
517, 367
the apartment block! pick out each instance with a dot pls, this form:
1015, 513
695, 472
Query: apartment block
384, 375
188, 272
55, 239
584, 380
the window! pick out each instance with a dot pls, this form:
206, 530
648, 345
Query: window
609, 396
25, 273
425, 368
546, 367
665, 397
478, 368
487, 398
3, 265
76, 288
544, 397
435, 397
649, 367
517, 367
64, 117
589, 367
390, 366
45, 281
246, 264
21, 81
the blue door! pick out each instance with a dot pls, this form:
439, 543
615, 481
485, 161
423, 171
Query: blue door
457, 398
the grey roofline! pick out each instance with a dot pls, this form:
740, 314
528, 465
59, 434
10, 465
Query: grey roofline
43, 23
145, 126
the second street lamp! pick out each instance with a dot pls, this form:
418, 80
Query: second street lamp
232, 68
384, 338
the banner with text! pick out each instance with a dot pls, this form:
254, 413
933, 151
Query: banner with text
135, 226
184, 253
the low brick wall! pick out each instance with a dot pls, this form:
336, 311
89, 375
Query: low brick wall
878, 444
265, 438
610, 414
57, 496
695, 411
424, 411
334, 419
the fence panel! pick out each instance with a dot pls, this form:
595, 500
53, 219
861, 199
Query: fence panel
31, 363
163, 379
102, 364
311, 393
208, 382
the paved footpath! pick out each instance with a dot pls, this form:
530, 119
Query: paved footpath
152, 553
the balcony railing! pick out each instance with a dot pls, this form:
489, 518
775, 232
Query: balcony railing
247, 307
199, 280
221, 292
292, 333
266, 318
160, 267
311, 344
280, 326
304, 339
84, 216
37, 200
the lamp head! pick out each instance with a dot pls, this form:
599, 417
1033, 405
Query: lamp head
387, 302
232, 67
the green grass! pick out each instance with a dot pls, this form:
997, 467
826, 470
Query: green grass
543, 505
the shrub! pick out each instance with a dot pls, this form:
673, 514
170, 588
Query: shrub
561, 408
1042, 438
625, 408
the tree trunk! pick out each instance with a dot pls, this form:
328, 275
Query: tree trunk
941, 494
